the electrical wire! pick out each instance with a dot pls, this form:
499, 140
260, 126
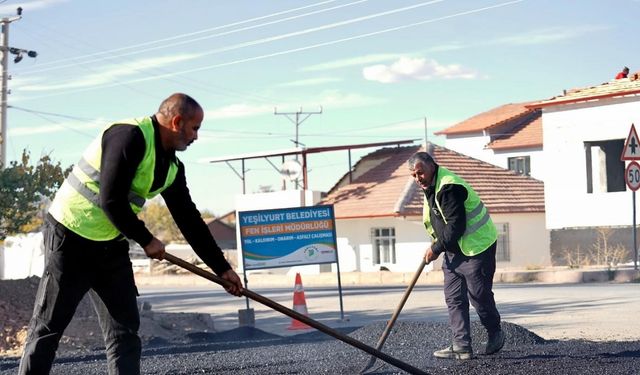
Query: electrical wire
193, 40
187, 35
288, 51
44, 116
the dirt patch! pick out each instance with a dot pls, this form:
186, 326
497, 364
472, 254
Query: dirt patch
83, 334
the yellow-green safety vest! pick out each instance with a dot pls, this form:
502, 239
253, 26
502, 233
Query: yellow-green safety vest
77, 202
480, 233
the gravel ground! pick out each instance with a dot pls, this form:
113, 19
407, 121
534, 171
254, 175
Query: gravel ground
252, 351
83, 333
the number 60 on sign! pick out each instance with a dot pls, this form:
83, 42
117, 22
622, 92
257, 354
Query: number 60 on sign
632, 175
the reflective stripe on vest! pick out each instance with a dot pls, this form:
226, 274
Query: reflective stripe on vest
77, 202
480, 233
94, 175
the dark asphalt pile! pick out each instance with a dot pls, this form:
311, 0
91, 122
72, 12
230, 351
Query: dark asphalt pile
252, 351
83, 334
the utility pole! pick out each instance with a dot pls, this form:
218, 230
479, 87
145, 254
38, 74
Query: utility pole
6, 50
295, 118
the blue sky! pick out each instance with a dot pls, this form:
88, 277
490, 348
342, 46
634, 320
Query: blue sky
377, 68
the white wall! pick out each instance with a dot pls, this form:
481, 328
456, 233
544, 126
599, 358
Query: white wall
411, 242
529, 240
565, 129
538, 162
472, 145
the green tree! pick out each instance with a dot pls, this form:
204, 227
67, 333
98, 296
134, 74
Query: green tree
25, 190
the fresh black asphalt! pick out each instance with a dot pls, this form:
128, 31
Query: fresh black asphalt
247, 350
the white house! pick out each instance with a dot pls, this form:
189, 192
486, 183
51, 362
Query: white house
379, 212
584, 132
509, 136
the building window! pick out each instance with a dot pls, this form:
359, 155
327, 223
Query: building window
605, 170
384, 245
520, 165
502, 249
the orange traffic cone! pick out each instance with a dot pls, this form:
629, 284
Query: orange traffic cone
299, 305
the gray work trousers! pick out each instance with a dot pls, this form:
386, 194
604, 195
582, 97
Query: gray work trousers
73, 267
470, 279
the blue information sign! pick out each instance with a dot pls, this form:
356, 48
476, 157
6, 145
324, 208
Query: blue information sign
288, 237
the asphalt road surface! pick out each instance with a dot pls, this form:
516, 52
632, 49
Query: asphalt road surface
598, 312
551, 329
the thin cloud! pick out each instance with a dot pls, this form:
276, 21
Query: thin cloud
549, 35
57, 128
354, 61
407, 68
338, 99
309, 82
327, 99
447, 47
293, 50
112, 74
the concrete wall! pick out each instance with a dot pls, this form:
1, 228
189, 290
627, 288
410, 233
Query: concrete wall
565, 129
577, 247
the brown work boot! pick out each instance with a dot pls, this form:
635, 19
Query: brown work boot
454, 352
495, 343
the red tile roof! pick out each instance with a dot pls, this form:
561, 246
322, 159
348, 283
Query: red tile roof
489, 119
388, 190
376, 192
612, 89
529, 135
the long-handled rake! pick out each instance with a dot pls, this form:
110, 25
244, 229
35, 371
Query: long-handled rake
394, 317
296, 315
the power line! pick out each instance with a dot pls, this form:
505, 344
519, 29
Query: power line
208, 87
186, 35
297, 33
33, 111
284, 52
193, 40
43, 115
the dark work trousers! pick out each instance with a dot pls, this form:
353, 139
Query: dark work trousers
73, 267
470, 279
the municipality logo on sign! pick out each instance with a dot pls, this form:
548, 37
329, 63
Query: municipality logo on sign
311, 252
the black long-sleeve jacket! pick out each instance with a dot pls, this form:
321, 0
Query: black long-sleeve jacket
123, 148
451, 198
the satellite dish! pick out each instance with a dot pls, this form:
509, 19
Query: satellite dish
291, 170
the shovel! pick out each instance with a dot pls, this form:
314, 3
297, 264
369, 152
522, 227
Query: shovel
394, 317
295, 315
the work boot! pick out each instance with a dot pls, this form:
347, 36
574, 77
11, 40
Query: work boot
495, 343
454, 352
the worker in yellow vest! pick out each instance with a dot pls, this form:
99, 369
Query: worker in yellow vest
461, 229
94, 214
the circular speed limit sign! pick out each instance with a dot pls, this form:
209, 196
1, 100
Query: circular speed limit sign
632, 175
